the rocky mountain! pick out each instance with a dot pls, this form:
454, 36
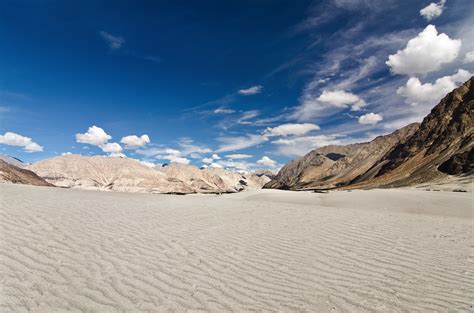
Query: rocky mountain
10, 173
442, 144
13, 161
125, 174
334, 165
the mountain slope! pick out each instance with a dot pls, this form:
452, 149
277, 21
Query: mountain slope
442, 144
334, 165
10, 173
124, 174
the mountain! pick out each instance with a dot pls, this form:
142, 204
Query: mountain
336, 165
125, 174
442, 144
13, 161
10, 173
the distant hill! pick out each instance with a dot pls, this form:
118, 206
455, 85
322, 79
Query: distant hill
125, 174
13, 161
442, 144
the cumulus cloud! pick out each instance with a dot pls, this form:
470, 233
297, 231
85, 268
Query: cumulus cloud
469, 57
95, 136
327, 102
113, 149
13, 139
215, 156
425, 53
433, 10
223, 111
417, 93
370, 118
238, 156
240, 142
207, 160
114, 42
291, 129
266, 161
251, 91
176, 159
134, 141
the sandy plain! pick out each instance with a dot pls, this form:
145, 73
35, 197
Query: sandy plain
64, 250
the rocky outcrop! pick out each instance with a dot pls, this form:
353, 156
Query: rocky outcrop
13, 161
13, 174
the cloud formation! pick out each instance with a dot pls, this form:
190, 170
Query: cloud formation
433, 10
238, 156
291, 129
239, 142
95, 136
251, 91
295, 147
425, 53
417, 93
370, 118
266, 161
114, 42
13, 139
134, 141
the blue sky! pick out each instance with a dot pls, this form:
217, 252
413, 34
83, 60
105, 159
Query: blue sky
234, 84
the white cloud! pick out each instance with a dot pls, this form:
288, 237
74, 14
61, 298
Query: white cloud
134, 141
239, 143
370, 118
66, 153
95, 136
12, 139
417, 93
113, 149
433, 10
301, 145
215, 157
251, 91
114, 42
223, 111
215, 165
238, 156
176, 159
290, 129
469, 57
207, 160
425, 53
266, 161
327, 102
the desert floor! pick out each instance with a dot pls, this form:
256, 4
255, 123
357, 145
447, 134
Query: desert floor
382, 250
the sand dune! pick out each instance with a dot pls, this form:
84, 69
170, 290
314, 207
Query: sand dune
380, 250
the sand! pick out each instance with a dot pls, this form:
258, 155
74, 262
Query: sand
89, 251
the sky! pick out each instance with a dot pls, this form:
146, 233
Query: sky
242, 85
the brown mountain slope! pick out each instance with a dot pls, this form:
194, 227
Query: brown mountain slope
442, 145
10, 173
333, 166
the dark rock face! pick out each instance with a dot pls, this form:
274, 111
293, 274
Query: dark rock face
461, 163
13, 174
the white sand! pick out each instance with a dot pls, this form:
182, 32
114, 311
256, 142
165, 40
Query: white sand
87, 251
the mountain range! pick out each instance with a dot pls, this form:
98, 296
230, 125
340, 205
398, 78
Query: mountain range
440, 147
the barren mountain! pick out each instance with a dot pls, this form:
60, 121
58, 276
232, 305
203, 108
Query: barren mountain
105, 173
418, 153
124, 174
335, 165
13, 161
10, 173
443, 144
214, 179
